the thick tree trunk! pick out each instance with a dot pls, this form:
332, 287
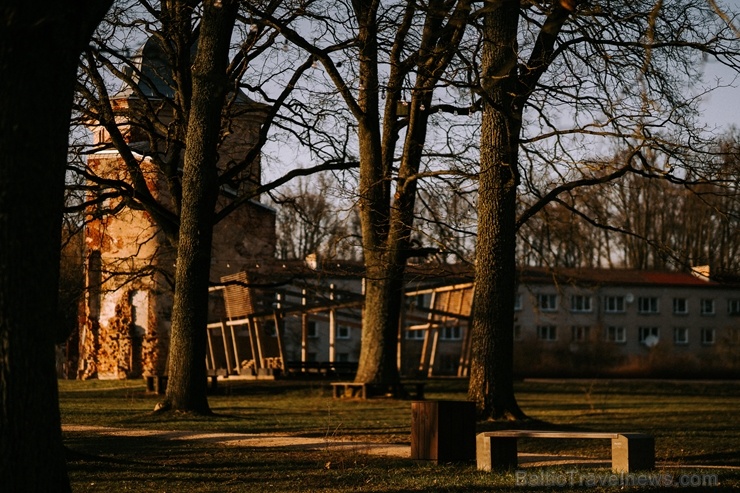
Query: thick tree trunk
186, 390
491, 373
383, 296
40, 44
382, 285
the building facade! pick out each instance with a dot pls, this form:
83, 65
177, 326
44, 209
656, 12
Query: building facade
584, 322
623, 322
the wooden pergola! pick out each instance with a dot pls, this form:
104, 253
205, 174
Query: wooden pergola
450, 306
250, 345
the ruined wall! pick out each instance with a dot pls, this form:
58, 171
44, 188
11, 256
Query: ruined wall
125, 321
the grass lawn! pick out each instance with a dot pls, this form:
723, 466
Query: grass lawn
695, 425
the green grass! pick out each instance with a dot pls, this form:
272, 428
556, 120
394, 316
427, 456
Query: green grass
694, 424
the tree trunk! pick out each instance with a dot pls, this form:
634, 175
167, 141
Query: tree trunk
186, 389
383, 295
382, 285
387, 221
40, 44
491, 374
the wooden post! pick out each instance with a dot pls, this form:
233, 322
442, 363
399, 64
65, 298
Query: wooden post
433, 352
464, 364
423, 362
234, 344
304, 329
401, 330
278, 320
332, 327
443, 431
210, 350
258, 360
226, 349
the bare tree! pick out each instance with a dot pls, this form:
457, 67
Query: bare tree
187, 373
645, 220
386, 61
39, 42
312, 219
619, 72
181, 109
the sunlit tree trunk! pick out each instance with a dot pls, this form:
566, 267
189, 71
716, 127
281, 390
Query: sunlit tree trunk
491, 373
186, 390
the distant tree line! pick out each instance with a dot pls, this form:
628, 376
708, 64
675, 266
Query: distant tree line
646, 221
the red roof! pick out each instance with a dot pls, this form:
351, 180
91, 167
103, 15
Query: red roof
536, 275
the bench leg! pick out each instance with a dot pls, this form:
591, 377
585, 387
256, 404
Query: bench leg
160, 384
495, 453
631, 454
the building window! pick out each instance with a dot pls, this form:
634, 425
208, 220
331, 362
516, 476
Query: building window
735, 337
707, 337
616, 334
680, 306
580, 303
312, 330
547, 332
342, 357
614, 304
451, 333
518, 302
517, 332
343, 332
580, 333
707, 307
733, 307
680, 336
415, 335
647, 305
648, 336
547, 302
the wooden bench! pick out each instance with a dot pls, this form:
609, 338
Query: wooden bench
158, 383
367, 390
349, 389
497, 450
343, 369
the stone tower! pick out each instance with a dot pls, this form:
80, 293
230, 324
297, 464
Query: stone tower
125, 317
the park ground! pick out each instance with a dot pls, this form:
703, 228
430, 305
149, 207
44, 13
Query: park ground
292, 436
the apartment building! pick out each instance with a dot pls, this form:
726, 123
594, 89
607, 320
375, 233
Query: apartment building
626, 322
584, 322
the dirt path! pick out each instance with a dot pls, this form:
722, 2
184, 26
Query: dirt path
317, 443
259, 440
252, 440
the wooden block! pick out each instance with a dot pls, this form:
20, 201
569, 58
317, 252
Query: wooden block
496, 453
633, 452
443, 431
